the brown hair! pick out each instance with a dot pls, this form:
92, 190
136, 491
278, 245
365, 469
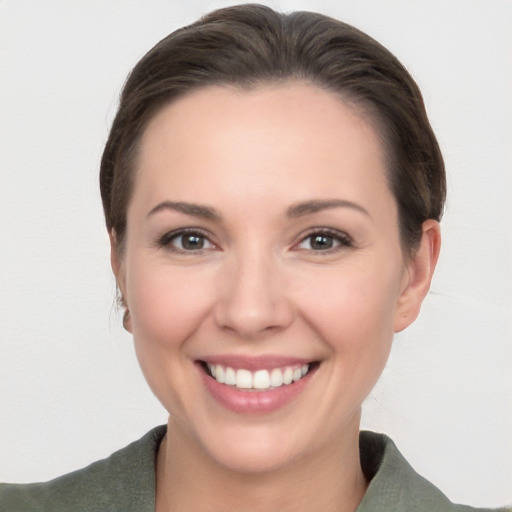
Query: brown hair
251, 44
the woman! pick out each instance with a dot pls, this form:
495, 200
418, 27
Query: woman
272, 191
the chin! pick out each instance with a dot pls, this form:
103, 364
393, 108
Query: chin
256, 456
246, 447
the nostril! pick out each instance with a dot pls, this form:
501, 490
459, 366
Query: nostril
250, 320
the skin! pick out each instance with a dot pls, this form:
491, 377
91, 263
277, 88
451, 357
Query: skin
258, 286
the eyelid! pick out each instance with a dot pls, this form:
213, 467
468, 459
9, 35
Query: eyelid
344, 240
165, 241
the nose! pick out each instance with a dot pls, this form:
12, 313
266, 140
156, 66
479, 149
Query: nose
253, 300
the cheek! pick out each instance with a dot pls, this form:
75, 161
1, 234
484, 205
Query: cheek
351, 311
166, 303
352, 308
167, 306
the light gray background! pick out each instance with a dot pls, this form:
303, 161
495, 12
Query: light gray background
70, 389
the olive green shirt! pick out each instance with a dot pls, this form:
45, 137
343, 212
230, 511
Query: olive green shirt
125, 482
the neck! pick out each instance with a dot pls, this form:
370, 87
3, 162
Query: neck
187, 479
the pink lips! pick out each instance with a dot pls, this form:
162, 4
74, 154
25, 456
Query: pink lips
254, 401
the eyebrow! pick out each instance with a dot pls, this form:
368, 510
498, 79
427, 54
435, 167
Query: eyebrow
308, 207
294, 211
193, 209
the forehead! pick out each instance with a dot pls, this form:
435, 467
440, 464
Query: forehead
261, 139
268, 105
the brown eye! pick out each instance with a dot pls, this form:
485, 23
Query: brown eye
324, 241
321, 242
186, 241
190, 242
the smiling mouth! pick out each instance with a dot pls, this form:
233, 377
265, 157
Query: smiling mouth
259, 380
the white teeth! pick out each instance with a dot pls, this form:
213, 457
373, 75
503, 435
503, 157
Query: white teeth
229, 376
276, 378
260, 379
243, 379
219, 374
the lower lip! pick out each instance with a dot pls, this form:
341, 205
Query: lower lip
253, 401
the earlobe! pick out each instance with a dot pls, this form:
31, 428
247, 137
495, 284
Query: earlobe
117, 269
420, 269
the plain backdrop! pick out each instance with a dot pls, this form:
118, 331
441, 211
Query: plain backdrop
70, 388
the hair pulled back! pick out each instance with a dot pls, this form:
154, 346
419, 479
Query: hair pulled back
249, 45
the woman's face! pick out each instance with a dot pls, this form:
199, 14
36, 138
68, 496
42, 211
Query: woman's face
262, 246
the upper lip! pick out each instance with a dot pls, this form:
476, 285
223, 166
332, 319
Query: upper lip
253, 363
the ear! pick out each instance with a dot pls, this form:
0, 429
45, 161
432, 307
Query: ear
418, 276
118, 270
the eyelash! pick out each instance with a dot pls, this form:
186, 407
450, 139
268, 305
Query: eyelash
166, 240
339, 238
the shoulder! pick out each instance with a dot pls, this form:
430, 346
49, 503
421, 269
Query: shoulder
394, 483
125, 481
